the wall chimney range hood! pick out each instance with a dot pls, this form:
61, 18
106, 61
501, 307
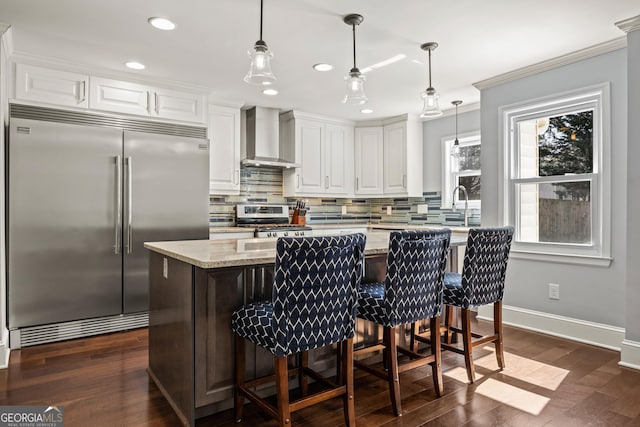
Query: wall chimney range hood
263, 139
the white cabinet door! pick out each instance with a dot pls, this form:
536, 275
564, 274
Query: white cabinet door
51, 86
120, 96
395, 158
224, 150
309, 154
132, 98
338, 166
174, 105
369, 160
323, 147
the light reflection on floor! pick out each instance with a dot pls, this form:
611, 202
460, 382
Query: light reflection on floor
513, 396
520, 368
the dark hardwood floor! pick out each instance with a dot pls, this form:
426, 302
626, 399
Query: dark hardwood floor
102, 381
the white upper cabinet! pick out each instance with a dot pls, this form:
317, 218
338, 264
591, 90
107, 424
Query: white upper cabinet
309, 154
339, 170
403, 148
389, 158
176, 105
369, 160
51, 86
132, 98
119, 96
68, 89
224, 150
324, 150
395, 158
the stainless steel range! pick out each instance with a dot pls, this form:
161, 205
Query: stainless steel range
269, 221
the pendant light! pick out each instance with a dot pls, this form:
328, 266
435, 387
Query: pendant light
431, 107
455, 150
260, 70
355, 80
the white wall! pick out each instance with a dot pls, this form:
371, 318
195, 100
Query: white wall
433, 131
595, 294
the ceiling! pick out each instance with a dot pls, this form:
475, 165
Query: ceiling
477, 40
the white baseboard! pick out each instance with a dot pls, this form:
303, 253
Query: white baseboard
598, 334
5, 351
630, 355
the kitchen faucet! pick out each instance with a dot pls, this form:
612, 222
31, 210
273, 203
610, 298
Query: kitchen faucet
466, 203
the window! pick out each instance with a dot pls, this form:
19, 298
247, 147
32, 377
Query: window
555, 178
461, 170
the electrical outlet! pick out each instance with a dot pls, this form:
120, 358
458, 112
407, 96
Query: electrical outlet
344, 209
388, 210
423, 208
554, 291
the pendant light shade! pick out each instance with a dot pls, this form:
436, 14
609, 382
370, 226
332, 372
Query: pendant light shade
260, 69
431, 107
455, 150
355, 80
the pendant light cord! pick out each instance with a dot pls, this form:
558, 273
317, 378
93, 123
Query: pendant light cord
354, 44
456, 122
429, 67
261, 1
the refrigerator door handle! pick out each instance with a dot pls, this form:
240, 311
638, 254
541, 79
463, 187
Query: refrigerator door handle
118, 225
129, 225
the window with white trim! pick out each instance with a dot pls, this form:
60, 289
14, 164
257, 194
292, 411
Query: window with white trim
463, 169
555, 181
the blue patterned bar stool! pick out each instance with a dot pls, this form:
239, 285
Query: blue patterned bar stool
412, 291
481, 283
313, 305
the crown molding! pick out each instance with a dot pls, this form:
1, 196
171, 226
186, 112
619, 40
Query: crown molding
629, 24
580, 55
462, 108
6, 34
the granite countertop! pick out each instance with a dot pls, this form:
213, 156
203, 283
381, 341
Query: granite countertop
396, 226
239, 252
372, 226
230, 230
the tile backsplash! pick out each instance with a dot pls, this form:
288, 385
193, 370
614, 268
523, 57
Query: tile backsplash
264, 185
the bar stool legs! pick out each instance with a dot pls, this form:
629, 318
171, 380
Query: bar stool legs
238, 404
391, 355
467, 336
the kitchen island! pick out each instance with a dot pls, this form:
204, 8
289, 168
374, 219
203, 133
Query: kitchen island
194, 288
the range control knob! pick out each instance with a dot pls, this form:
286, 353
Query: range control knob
286, 234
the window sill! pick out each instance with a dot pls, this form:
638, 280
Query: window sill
594, 261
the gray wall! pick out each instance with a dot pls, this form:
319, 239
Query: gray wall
432, 133
594, 294
633, 191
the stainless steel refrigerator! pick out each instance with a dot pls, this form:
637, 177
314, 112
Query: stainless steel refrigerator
84, 192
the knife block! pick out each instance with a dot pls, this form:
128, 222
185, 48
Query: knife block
297, 218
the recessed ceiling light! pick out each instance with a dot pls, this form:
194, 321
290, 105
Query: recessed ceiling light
366, 111
135, 65
323, 67
270, 91
162, 23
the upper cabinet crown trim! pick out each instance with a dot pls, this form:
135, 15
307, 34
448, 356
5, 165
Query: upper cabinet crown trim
296, 114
